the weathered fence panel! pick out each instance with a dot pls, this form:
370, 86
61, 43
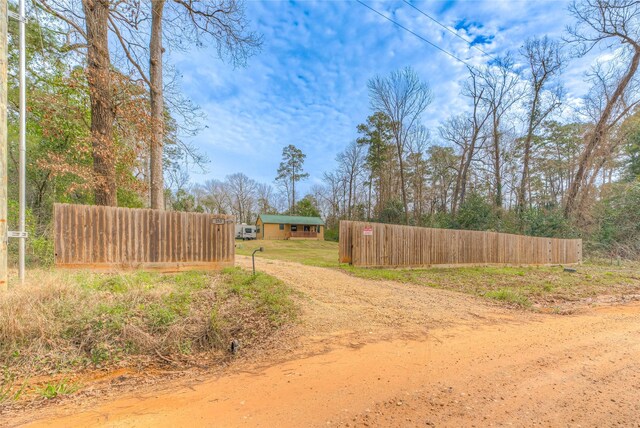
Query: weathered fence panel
376, 244
98, 237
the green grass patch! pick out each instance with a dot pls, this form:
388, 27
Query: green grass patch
508, 295
11, 388
266, 293
57, 389
308, 252
544, 286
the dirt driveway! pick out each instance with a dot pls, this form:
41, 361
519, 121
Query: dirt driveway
388, 354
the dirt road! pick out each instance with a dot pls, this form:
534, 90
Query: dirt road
389, 354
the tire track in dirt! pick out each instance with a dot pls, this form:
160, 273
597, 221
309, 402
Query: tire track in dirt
377, 353
334, 301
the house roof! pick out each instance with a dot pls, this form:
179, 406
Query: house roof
290, 219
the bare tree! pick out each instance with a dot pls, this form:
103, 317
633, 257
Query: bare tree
417, 170
242, 193
223, 21
266, 203
545, 63
500, 93
403, 97
468, 133
215, 197
350, 164
614, 23
331, 195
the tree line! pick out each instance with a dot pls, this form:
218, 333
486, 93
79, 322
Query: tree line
107, 124
518, 159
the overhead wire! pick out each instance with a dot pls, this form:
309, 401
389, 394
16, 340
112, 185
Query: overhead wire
438, 47
415, 34
455, 33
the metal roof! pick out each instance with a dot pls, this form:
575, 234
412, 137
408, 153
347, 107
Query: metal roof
290, 219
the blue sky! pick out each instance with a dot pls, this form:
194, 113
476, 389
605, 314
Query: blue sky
307, 86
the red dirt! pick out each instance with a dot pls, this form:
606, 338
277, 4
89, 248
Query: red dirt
375, 354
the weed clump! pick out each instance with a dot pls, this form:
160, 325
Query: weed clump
61, 321
509, 296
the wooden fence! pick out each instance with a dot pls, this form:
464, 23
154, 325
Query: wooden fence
98, 237
375, 244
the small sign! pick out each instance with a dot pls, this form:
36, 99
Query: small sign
16, 234
368, 231
218, 220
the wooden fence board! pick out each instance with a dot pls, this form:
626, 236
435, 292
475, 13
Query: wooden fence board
396, 245
98, 237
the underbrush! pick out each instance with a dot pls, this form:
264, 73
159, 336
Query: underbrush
69, 321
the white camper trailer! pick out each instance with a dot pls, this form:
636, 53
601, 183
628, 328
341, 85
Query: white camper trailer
245, 231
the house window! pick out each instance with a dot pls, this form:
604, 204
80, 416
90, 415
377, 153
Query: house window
281, 226
294, 227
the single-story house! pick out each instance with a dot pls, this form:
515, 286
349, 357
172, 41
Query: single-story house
289, 227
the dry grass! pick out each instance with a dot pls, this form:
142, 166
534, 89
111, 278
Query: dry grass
61, 321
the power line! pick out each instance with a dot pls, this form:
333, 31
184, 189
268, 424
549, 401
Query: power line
438, 47
415, 34
455, 33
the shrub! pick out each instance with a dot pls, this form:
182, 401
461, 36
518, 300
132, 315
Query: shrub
331, 235
62, 320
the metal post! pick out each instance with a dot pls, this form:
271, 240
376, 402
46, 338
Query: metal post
253, 258
3, 144
23, 140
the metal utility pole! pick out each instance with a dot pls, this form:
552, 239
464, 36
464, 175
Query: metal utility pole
3, 144
23, 140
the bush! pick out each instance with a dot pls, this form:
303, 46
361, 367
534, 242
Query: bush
39, 245
547, 222
476, 213
331, 235
63, 320
617, 222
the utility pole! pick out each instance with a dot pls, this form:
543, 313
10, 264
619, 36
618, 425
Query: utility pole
23, 141
3, 144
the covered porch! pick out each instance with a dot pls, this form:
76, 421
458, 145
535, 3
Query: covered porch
303, 231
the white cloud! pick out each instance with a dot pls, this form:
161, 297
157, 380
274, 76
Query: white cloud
308, 85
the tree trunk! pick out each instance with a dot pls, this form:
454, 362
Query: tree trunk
100, 94
527, 155
369, 199
349, 199
464, 177
496, 160
157, 106
594, 138
402, 187
458, 188
293, 191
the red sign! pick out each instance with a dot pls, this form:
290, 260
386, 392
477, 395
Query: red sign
368, 231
